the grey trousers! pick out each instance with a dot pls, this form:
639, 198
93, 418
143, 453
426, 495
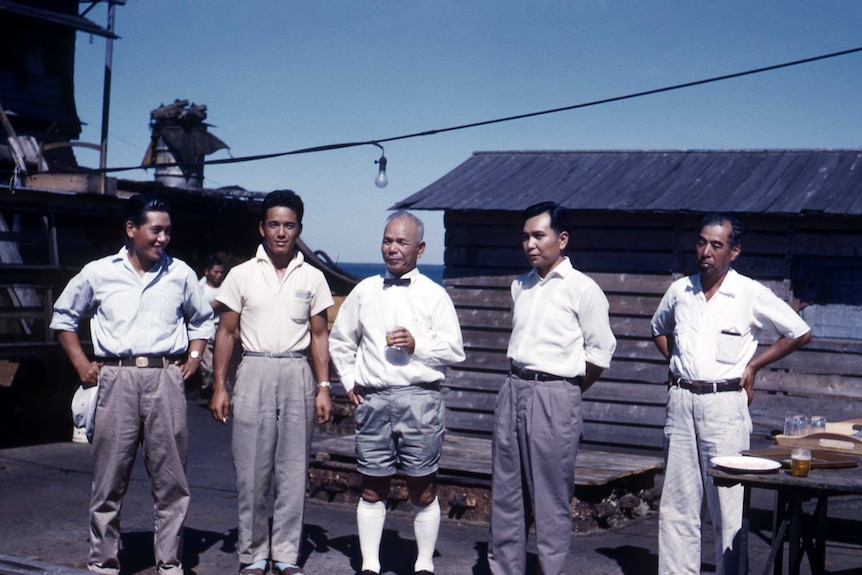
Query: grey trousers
273, 417
139, 404
537, 428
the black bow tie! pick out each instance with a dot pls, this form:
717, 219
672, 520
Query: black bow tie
404, 282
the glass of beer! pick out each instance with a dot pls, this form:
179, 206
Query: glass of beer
390, 333
800, 462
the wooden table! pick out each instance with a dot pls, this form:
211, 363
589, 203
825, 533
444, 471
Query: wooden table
804, 534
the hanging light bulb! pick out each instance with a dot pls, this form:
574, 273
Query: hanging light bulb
381, 180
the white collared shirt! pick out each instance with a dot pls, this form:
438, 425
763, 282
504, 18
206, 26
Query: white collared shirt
357, 343
209, 294
715, 339
560, 322
135, 315
275, 313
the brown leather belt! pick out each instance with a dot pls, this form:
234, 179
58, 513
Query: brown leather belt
699, 387
140, 361
529, 374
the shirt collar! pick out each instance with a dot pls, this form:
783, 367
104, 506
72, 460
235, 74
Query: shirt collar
262, 256
122, 256
729, 286
563, 269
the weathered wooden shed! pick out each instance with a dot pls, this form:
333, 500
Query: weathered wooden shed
636, 215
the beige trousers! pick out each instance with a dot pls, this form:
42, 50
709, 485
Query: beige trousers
137, 406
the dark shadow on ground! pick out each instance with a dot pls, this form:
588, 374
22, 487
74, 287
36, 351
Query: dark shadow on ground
136, 549
632, 560
483, 568
397, 555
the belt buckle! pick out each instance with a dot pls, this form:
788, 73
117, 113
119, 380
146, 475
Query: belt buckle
142, 361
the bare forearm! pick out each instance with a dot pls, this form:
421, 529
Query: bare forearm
778, 350
88, 371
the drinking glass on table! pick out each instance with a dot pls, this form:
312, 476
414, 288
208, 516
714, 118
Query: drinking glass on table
795, 425
816, 424
800, 462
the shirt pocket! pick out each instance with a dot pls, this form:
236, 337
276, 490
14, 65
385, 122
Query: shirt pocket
729, 345
299, 306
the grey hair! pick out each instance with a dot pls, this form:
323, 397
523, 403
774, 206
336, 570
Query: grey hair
420, 227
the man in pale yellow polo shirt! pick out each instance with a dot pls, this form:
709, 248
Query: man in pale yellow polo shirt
279, 303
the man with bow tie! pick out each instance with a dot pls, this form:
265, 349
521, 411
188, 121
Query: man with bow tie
391, 342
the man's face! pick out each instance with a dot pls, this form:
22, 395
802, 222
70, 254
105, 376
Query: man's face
280, 231
148, 241
401, 246
214, 275
542, 245
714, 254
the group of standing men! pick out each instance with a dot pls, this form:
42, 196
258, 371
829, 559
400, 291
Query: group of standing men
391, 343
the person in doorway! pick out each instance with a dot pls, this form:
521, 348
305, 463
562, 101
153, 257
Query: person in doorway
392, 340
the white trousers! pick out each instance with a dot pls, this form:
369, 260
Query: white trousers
698, 428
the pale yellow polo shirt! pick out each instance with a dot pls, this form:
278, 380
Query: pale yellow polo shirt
275, 315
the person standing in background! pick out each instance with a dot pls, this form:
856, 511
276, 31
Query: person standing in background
210, 283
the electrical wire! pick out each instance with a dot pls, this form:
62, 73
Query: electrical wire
377, 142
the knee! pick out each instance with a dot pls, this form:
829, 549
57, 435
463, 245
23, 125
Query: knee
372, 496
423, 497
375, 489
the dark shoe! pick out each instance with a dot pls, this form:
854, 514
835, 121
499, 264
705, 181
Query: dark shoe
252, 571
369, 572
423, 572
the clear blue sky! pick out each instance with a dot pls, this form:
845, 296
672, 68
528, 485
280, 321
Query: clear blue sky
281, 75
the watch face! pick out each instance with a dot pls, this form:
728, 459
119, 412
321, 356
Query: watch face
195, 355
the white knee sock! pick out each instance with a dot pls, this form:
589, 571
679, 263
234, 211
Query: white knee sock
370, 518
426, 525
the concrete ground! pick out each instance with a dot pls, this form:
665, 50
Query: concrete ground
44, 492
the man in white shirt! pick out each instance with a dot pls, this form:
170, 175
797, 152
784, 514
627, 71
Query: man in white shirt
210, 283
708, 326
561, 342
147, 313
279, 303
391, 342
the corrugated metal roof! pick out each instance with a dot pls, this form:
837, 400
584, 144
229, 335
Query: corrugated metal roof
742, 181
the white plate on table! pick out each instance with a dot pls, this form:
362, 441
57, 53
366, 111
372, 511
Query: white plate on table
746, 464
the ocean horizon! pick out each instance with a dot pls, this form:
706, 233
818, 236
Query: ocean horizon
365, 269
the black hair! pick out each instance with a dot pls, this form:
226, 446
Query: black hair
282, 199
138, 205
212, 260
559, 220
719, 219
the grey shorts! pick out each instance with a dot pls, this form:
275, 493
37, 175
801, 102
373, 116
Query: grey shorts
400, 427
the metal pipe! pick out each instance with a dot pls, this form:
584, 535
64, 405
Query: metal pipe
106, 99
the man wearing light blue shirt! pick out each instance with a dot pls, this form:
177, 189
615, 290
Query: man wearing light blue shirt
147, 314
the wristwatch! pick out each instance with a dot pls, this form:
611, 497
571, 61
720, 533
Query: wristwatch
325, 384
194, 354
